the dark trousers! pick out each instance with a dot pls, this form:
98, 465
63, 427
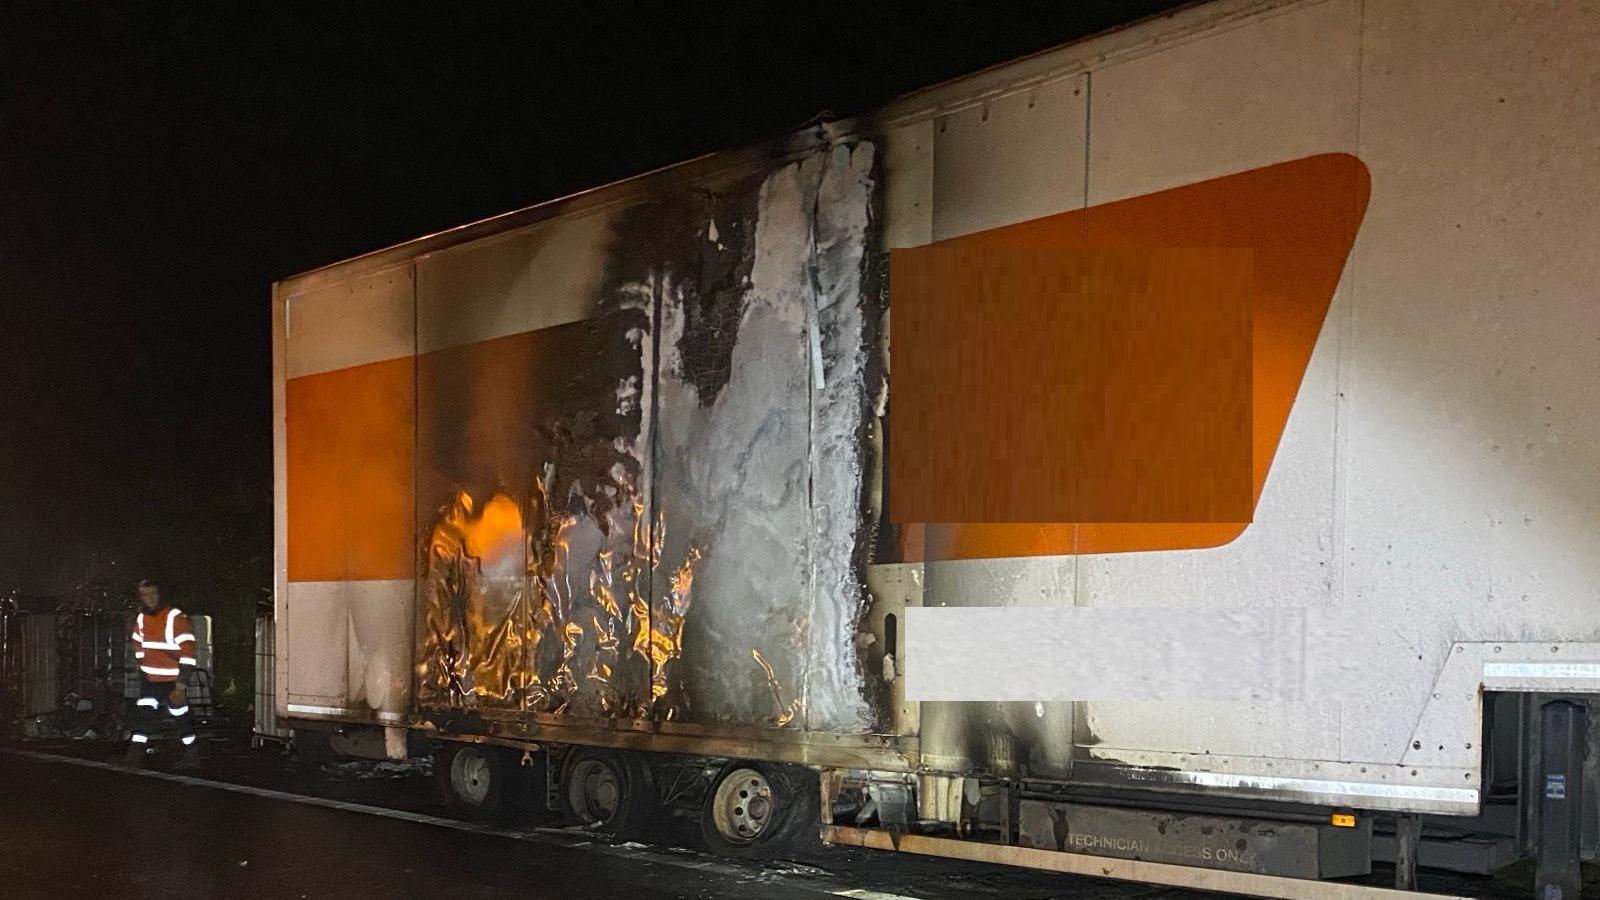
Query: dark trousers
155, 716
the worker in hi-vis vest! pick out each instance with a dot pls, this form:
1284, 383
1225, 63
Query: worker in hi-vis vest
163, 648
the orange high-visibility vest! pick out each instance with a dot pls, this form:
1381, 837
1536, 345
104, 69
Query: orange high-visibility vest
162, 641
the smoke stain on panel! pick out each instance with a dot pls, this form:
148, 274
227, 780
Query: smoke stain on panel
654, 256
712, 314
758, 469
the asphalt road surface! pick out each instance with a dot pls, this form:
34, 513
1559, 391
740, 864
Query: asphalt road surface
254, 826
83, 828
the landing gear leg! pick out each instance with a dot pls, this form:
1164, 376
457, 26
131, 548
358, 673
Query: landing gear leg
1408, 837
1563, 727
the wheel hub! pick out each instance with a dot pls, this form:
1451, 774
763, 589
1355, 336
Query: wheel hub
470, 776
593, 792
742, 806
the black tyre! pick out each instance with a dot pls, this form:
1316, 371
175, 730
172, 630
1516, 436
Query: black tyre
755, 809
607, 791
480, 782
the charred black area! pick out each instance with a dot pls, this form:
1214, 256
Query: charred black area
876, 538
647, 246
455, 720
712, 313
491, 416
884, 538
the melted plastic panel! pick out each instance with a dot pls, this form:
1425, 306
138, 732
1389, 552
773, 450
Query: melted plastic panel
850, 303
529, 481
732, 456
762, 404
532, 490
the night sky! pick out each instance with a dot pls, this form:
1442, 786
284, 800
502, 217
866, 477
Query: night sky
162, 163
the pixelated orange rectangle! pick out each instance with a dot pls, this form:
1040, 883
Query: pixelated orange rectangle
350, 440
1036, 384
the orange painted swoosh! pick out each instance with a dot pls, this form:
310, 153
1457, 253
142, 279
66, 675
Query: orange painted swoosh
1300, 218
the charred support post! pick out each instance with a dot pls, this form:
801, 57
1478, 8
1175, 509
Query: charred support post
1407, 839
1563, 725
1010, 803
829, 782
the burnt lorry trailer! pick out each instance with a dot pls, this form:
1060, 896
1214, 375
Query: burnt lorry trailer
601, 486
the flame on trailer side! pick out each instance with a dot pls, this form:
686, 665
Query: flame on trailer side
606, 651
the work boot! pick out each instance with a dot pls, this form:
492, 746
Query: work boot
190, 760
134, 756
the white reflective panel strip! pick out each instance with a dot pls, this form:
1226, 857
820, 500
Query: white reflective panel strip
138, 654
1541, 670
172, 614
188, 739
158, 645
184, 637
139, 739
1317, 786
187, 661
178, 710
340, 711
138, 638
155, 670
141, 623
149, 701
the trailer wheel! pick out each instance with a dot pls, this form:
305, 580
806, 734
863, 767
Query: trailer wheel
755, 808
478, 781
606, 791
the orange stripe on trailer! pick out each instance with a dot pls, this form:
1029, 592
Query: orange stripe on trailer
1300, 220
350, 439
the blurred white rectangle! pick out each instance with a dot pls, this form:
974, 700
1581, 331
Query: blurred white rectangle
1098, 653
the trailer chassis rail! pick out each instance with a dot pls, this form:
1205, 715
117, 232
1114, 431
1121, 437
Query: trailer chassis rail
1121, 869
